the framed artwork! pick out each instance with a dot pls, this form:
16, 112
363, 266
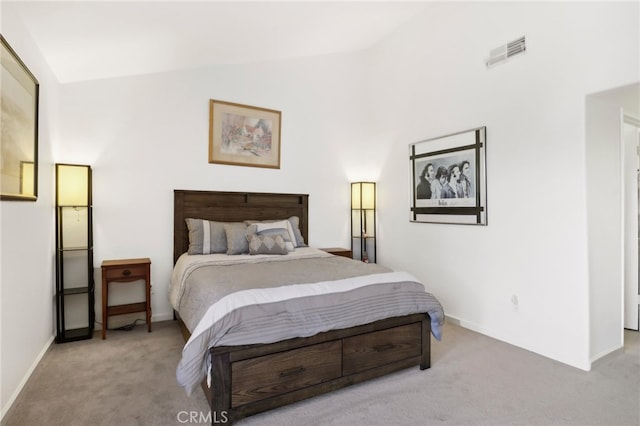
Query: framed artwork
448, 178
19, 136
244, 135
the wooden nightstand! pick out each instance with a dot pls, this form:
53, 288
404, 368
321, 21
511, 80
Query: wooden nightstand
125, 270
338, 251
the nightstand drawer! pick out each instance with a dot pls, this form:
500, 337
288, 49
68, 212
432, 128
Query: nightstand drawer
381, 347
288, 371
126, 272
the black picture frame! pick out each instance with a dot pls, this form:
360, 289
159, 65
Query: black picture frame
448, 178
19, 140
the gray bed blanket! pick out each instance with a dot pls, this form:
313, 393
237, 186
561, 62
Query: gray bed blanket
276, 298
214, 279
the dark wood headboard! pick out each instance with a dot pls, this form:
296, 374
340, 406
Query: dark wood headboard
233, 207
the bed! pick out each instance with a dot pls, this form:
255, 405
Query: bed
316, 322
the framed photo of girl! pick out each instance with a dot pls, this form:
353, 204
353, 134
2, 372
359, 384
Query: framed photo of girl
448, 178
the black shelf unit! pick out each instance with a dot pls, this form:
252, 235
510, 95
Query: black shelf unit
363, 221
75, 286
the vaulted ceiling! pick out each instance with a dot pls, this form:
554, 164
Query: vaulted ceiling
84, 40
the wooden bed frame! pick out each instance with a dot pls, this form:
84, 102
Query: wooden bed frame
250, 379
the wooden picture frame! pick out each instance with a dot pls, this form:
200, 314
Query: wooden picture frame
448, 178
19, 140
244, 135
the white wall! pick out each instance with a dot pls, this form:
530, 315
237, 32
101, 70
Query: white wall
630, 146
27, 242
148, 135
604, 224
607, 177
345, 118
429, 79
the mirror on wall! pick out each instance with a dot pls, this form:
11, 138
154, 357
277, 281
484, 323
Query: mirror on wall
19, 128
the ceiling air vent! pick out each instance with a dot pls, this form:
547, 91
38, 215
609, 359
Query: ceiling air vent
502, 53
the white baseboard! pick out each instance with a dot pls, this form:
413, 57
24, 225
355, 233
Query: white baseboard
452, 320
471, 326
23, 382
597, 359
5, 409
162, 317
125, 319
586, 365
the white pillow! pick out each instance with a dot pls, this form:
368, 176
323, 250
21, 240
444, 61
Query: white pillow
282, 224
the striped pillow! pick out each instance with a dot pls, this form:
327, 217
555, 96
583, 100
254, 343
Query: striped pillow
206, 237
297, 234
292, 225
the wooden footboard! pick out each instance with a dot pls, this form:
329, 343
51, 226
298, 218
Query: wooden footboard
254, 378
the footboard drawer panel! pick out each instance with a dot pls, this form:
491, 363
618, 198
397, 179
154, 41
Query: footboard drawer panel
270, 375
372, 350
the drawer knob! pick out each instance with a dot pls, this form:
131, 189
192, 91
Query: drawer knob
382, 348
292, 371
126, 272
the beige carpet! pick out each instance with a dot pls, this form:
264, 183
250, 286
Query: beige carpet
129, 379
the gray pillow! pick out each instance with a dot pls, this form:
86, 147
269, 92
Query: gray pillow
294, 221
295, 224
267, 244
253, 230
236, 238
206, 236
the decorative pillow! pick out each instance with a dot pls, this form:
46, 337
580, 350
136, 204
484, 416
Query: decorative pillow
284, 233
295, 224
267, 244
282, 223
206, 237
236, 240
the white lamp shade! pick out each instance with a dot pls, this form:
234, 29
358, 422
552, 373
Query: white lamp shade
363, 195
73, 185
